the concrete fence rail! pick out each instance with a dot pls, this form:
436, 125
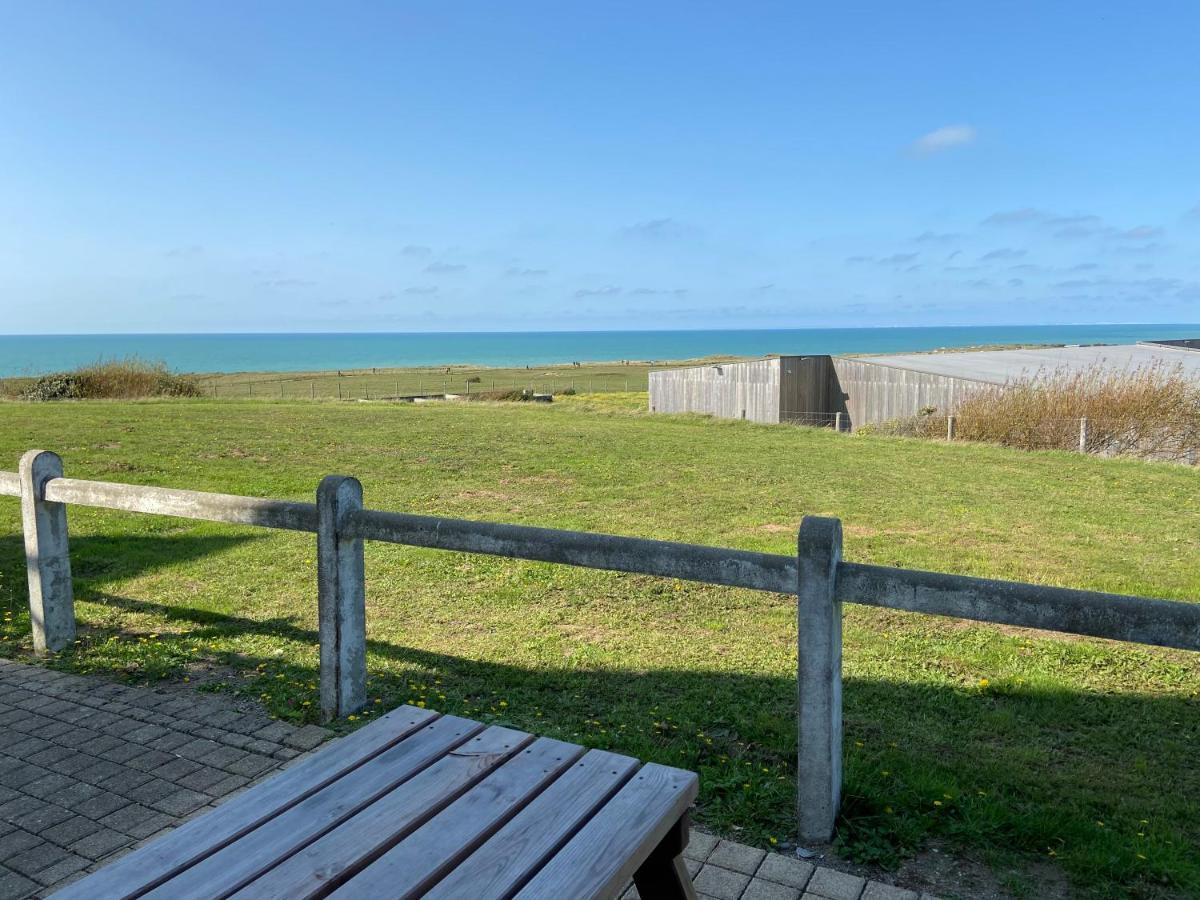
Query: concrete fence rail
817, 576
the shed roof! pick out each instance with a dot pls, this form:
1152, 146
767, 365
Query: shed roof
1000, 366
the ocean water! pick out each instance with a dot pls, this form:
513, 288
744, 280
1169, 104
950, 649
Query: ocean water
38, 354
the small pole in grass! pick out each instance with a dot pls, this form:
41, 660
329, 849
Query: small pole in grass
1083, 435
950, 427
837, 422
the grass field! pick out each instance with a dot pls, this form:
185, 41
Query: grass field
1030, 752
382, 383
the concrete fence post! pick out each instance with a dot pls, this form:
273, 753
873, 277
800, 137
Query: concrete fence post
47, 556
1083, 435
341, 600
837, 422
951, 427
819, 679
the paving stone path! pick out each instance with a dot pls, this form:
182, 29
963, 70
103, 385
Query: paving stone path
90, 769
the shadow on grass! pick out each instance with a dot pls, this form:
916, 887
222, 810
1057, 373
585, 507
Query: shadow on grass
1103, 784
97, 559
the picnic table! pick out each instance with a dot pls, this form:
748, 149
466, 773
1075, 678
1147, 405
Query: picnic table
419, 804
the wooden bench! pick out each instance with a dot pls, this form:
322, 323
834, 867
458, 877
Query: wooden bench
418, 804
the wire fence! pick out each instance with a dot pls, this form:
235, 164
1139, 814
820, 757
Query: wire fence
376, 385
1145, 438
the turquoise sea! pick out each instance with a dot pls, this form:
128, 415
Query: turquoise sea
38, 354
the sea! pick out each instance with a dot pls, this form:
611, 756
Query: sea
204, 353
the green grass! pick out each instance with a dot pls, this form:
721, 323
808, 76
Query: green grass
1009, 746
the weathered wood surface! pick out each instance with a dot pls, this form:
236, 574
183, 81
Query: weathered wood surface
423, 805
240, 863
603, 855
530, 838
135, 873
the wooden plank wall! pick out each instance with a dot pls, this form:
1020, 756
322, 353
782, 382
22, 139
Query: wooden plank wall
742, 390
806, 391
875, 393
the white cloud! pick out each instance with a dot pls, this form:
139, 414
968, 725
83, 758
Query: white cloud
944, 138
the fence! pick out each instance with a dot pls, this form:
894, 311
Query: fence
1096, 436
817, 575
368, 385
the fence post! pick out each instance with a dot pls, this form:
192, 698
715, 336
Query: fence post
837, 422
1083, 435
951, 424
819, 679
341, 600
47, 556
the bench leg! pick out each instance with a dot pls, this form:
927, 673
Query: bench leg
664, 876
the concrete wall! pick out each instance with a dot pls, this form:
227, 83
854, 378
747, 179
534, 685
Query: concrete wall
741, 390
872, 393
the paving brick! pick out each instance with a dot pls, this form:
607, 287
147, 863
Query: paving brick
25, 748
227, 785
150, 760
250, 765
834, 885
37, 820
176, 769
180, 802
877, 890
724, 884
100, 843
50, 784
41, 856
785, 870
64, 868
136, 821
306, 738
770, 890
123, 752
80, 738
74, 794
101, 805
739, 857
17, 841
197, 749
700, 845
66, 833
222, 757
275, 732
99, 770
263, 747
154, 789
170, 741
15, 887
78, 763
48, 757
103, 744
125, 782
202, 779
18, 775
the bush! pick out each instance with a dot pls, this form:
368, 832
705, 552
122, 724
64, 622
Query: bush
1152, 412
516, 396
119, 379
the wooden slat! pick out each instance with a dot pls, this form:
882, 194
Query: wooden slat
143, 869
425, 856
237, 864
601, 858
324, 863
522, 846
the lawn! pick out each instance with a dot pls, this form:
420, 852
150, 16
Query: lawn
1020, 749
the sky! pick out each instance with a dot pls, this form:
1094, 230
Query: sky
257, 166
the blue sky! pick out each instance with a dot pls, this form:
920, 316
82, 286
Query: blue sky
368, 166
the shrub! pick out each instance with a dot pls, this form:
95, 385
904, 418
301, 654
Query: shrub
1152, 412
118, 379
515, 396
